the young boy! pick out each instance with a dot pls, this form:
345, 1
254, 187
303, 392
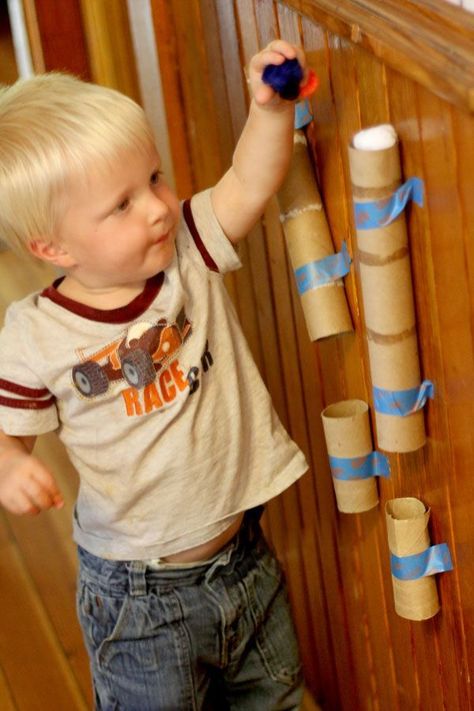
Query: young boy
135, 357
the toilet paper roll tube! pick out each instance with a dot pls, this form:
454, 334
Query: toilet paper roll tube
415, 592
349, 444
309, 241
387, 291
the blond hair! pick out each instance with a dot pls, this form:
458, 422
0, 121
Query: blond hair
53, 129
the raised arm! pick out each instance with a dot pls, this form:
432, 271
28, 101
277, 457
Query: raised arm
263, 152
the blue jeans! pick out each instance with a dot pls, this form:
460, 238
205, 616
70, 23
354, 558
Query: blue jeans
213, 636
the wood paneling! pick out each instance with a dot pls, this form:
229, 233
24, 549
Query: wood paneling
57, 36
438, 54
109, 45
374, 67
88, 38
8, 70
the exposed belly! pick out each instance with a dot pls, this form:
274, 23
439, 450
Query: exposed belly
206, 550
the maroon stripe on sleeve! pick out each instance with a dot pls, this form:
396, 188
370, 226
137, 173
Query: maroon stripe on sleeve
22, 389
26, 404
189, 219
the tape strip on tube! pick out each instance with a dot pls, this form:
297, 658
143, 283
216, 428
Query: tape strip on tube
323, 271
303, 114
372, 215
403, 402
347, 468
436, 559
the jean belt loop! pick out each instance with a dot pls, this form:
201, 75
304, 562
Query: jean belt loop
221, 560
137, 578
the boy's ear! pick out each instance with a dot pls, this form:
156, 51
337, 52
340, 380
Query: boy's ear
49, 251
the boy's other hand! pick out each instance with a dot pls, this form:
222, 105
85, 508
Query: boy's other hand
274, 53
26, 485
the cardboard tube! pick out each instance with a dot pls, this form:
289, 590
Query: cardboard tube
407, 530
387, 294
347, 433
308, 240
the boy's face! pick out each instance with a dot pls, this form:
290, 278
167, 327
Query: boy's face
120, 224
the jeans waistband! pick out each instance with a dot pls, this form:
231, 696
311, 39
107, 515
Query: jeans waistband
116, 577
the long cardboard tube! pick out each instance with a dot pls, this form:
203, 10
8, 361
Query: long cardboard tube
407, 530
347, 433
387, 294
308, 240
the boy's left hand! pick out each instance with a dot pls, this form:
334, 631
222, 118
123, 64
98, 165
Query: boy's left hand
274, 53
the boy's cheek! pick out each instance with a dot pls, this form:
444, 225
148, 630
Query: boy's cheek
176, 210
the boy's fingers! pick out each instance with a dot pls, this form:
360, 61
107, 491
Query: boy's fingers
33, 510
263, 60
29, 487
267, 57
275, 53
21, 504
300, 56
282, 47
58, 501
43, 476
263, 94
43, 488
38, 495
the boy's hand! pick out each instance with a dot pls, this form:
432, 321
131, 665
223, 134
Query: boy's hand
26, 485
275, 53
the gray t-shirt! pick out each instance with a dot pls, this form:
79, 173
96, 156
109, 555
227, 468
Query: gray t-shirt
159, 403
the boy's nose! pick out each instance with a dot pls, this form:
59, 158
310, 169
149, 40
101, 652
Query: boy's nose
157, 209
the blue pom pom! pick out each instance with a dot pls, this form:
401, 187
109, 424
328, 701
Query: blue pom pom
284, 78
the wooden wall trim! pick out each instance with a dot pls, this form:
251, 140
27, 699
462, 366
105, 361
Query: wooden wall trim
34, 37
57, 36
428, 41
109, 43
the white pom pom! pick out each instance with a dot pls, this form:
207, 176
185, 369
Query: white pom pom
376, 138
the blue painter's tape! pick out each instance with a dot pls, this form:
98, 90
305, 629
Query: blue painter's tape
347, 468
323, 271
370, 215
403, 402
436, 559
303, 114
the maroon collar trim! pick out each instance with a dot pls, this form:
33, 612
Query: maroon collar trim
121, 315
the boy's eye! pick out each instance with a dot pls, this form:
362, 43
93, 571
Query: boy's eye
121, 207
155, 177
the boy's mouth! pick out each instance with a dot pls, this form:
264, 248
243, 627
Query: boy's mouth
163, 238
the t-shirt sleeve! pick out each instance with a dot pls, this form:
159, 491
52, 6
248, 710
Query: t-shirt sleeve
216, 250
27, 407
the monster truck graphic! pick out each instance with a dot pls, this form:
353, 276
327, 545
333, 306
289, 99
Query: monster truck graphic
135, 357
